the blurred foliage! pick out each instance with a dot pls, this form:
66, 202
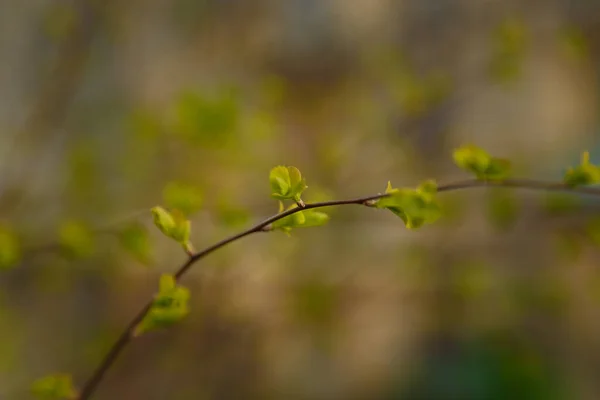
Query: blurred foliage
493, 369
55, 387
206, 121
76, 239
508, 47
574, 43
477, 161
10, 250
183, 197
502, 208
134, 239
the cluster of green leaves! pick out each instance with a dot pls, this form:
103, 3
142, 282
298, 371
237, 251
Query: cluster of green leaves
170, 306
416, 207
478, 162
287, 183
54, 387
584, 174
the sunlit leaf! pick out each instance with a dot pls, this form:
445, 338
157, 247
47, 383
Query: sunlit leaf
173, 225
286, 183
163, 220
416, 207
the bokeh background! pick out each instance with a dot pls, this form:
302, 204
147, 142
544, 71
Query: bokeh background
108, 108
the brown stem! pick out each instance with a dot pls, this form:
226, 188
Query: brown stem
92, 383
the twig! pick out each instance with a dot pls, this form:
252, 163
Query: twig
92, 383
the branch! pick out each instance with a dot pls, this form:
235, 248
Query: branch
128, 334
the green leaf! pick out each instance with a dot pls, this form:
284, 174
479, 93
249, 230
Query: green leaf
314, 218
279, 178
134, 239
166, 283
183, 227
173, 225
170, 306
76, 238
10, 249
286, 183
416, 207
183, 197
54, 387
584, 174
477, 161
301, 219
298, 184
163, 220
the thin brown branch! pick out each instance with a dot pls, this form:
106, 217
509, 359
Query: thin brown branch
109, 359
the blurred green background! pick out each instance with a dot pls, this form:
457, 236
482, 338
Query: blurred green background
108, 108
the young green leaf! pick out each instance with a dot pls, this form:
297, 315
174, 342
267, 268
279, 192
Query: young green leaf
301, 219
76, 239
182, 229
10, 250
477, 161
134, 239
173, 225
54, 387
183, 197
163, 220
584, 174
170, 306
286, 183
415, 207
